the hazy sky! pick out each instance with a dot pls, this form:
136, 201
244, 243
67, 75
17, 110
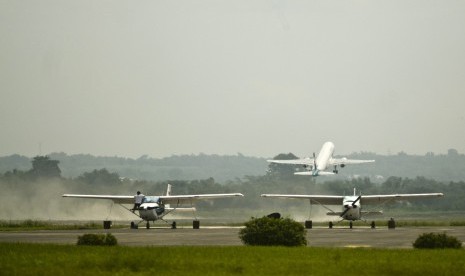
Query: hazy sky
130, 78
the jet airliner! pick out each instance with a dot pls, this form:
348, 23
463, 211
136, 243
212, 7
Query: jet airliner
318, 165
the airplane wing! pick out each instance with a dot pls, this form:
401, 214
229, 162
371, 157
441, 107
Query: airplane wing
320, 199
378, 199
176, 199
345, 161
304, 161
188, 199
119, 199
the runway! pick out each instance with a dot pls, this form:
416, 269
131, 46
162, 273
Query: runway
229, 236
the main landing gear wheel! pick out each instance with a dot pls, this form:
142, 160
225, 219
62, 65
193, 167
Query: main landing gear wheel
148, 225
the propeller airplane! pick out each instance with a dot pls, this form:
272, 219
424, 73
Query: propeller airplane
155, 208
352, 205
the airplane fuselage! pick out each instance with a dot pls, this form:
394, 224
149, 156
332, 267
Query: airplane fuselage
324, 156
151, 211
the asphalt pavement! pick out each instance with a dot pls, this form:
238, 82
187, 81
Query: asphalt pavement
382, 237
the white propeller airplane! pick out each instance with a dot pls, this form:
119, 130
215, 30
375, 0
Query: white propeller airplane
155, 208
317, 166
352, 205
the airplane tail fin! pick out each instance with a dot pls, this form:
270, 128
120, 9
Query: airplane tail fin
168, 193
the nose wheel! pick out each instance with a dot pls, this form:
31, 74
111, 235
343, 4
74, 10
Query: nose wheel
147, 225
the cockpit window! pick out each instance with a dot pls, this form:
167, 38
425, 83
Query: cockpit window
150, 199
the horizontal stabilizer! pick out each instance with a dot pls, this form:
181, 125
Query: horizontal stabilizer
365, 213
191, 209
311, 173
372, 213
334, 214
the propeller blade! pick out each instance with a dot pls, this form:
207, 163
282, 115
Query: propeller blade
355, 201
345, 211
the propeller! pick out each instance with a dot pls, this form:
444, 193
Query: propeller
353, 205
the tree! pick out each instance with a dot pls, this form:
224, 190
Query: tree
100, 177
452, 152
273, 231
283, 170
436, 240
43, 166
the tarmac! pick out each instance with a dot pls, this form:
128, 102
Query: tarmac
382, 237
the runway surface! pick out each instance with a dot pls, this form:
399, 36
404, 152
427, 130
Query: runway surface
229, 236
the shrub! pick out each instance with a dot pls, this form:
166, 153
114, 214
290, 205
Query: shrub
436, 240
97, 239
273, 231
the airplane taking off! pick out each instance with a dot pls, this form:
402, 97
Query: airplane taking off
155, 208
352, 205
317, 166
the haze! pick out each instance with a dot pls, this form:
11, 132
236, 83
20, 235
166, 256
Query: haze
130, 78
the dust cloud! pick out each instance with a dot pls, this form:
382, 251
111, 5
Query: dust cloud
43, 201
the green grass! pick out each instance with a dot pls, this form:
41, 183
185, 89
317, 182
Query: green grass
42, 259
33, 225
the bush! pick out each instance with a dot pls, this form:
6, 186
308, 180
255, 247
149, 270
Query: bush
436, 240
273, 231
97, 239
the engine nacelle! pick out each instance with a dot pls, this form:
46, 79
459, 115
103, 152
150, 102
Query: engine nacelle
151, 211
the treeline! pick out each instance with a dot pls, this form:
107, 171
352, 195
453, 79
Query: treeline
28, 185
182, 167
441, 167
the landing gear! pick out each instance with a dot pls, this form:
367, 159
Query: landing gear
330, 225
308, 224
351, 224
195, 224
134, 225
335, 169
391, 224
148, 225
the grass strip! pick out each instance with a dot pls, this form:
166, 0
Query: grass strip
46, 259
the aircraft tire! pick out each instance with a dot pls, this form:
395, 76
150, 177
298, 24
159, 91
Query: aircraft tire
308, 224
